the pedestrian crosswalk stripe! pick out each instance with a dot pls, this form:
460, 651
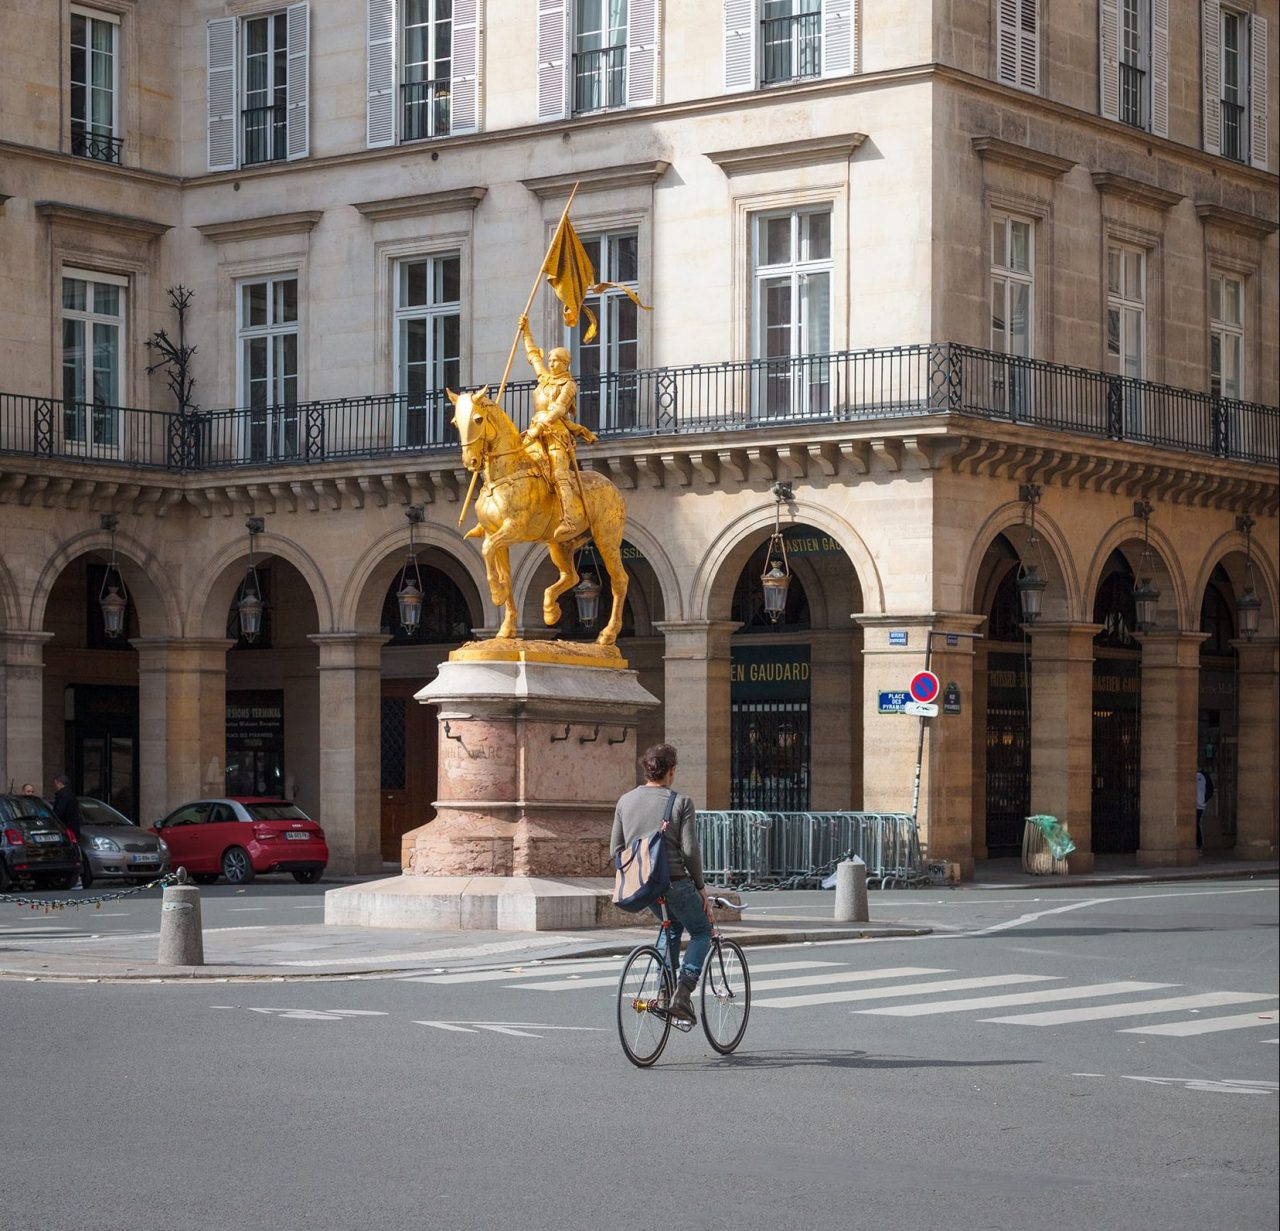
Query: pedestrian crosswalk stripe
525, 972
1132, 1008
905, 989
571, 984
1011, 998
1207, 1025
848, 976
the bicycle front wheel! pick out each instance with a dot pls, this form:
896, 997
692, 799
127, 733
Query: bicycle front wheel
644, 991
726, 996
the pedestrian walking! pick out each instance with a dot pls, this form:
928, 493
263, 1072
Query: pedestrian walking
638, 814
1204, 793
28, 788
66, 807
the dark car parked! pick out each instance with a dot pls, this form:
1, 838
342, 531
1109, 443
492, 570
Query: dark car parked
35, 848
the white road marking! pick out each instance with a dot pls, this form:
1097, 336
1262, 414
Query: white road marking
1012, 998
526, 972
909, 989
519, 1029
1132, 1008
571, 983
851, 976
231, 908
1201, 1084
1207, 1025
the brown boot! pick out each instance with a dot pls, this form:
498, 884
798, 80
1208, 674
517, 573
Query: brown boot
569, 504
682, 1005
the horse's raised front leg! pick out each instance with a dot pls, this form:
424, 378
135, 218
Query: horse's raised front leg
562, 558
611, 554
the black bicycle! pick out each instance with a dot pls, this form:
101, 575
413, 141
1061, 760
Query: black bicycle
648, 983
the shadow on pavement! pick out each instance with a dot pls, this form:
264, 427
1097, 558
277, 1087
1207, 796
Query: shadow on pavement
832, 1060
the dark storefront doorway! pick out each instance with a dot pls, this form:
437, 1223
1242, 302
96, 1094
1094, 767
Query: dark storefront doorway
1008, 753
1117, 737
769, 728
102, 744
255, 742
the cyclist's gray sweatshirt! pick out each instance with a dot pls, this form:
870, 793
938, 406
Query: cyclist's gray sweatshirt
639, 813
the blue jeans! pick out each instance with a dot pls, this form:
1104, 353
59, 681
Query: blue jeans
684, 905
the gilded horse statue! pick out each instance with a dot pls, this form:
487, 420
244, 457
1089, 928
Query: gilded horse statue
519, 504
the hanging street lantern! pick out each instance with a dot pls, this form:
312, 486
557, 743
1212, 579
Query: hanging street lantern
249, 604
1248, 604
586, 595
1031, 585
409, 592
776, 577
113, 597
1146, 596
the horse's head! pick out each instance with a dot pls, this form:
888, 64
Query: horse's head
471, 416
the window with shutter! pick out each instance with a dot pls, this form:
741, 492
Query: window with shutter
95, 86
739, 45
791, 45
380, 113
552, 54
297, 83
599, 41
1018, 43
1258, 116
1211, 73
465, 117
221, 93
642, 53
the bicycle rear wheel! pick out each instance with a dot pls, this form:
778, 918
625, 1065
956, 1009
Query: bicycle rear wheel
726, 996
642, 1028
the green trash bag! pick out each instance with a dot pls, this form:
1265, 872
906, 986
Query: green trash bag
1055, 834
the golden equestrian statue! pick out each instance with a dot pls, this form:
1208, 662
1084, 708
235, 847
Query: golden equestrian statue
533, 489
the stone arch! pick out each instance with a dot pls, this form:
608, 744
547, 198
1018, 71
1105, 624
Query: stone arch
360, 603
153, 594
711, 594
212, 595
1062, 594
1126, 537
10, 605
1229, 551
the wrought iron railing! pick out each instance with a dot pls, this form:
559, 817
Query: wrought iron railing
750, 395
1233, 131
1131, 94
89, 143
264, 134
790, 48
599, 79
424, 109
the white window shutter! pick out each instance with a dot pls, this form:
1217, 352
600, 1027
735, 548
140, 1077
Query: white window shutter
740, 26
380, 113
1160, 67
297, 88
464, 105
644, 21
1029, 45
1007, 41
1211, 73
1109, 58
837, 38
221, 88
1258, 91
553, 42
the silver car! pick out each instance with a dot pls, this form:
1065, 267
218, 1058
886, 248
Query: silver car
113, 847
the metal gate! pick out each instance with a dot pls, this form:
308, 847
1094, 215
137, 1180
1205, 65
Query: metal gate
1008, 753
770, 756
1116, 755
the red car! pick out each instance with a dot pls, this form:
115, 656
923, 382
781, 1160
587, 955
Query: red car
239, 837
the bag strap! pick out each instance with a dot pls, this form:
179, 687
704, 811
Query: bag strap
666, 816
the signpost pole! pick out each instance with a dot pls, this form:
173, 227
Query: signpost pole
928, 659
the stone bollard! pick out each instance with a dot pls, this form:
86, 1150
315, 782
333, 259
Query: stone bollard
181, 936
851, 891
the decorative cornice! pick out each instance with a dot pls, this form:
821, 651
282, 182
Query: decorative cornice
1233, 220
101, 220
299, 223
1110, 184
992, 149
783, 154
421, 204
598, 179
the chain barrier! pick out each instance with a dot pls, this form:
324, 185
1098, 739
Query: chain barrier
96, 901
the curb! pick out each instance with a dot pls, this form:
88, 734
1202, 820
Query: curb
1154, 878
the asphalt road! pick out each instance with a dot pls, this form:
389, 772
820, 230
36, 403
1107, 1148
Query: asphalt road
876, 1087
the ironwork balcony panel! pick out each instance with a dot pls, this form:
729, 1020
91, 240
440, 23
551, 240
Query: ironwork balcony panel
425, 109
263, 130
790, 48
101, 147
599, 79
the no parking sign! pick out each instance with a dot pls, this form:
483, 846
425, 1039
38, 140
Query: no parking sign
924, 686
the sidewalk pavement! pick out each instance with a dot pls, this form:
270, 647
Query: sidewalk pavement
288, 952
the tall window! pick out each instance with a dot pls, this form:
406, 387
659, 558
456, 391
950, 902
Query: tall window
92, 353
268, 334
428, 320
1226, 336
1134, 65
599, 54
94, 87
792, 311
1235, 86
1126, 310
1011, 285
266, 77
790, 40
428, 69
604, 366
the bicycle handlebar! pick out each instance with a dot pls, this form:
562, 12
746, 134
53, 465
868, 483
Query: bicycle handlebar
724, 902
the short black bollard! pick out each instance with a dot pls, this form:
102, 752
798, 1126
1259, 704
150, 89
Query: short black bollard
851, 891
181, 934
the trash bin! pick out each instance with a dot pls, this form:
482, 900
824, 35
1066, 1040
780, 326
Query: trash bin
1045, 846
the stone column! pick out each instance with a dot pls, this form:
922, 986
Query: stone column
1257, 748
22, 709
978, 821
350, 742
696, 705
835, 726
182, 721
1170, 709
1062, 731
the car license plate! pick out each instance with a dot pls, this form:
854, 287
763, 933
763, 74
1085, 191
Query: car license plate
145, 859
297, 836
45, 837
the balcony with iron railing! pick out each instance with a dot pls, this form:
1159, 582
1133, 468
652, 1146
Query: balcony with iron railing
1233, 130
263, 130
790, 48
599, 79
940, 380
1131, 95
425, 109
89, 142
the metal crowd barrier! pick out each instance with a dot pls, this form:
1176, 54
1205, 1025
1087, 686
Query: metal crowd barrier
794, 850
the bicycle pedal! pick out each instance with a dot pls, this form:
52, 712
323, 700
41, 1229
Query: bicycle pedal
680, 1024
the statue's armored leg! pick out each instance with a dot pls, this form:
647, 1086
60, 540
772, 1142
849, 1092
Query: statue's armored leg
570, 510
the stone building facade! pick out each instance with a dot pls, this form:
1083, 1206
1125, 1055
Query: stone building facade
991, 285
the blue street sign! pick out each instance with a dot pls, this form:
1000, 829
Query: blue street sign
897, 636
893, 702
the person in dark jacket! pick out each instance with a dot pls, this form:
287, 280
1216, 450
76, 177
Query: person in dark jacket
66, 807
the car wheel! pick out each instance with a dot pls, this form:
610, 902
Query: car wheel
204, 878
309, 877
64, 880
237, 867
86, 874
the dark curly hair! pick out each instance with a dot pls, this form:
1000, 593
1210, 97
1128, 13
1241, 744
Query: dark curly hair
658, 761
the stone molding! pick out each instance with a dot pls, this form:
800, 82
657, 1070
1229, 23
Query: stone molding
782, 155
1108, 183
1021, 157
422, 204
1249, 225
598, 179
268, 226
101, 220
